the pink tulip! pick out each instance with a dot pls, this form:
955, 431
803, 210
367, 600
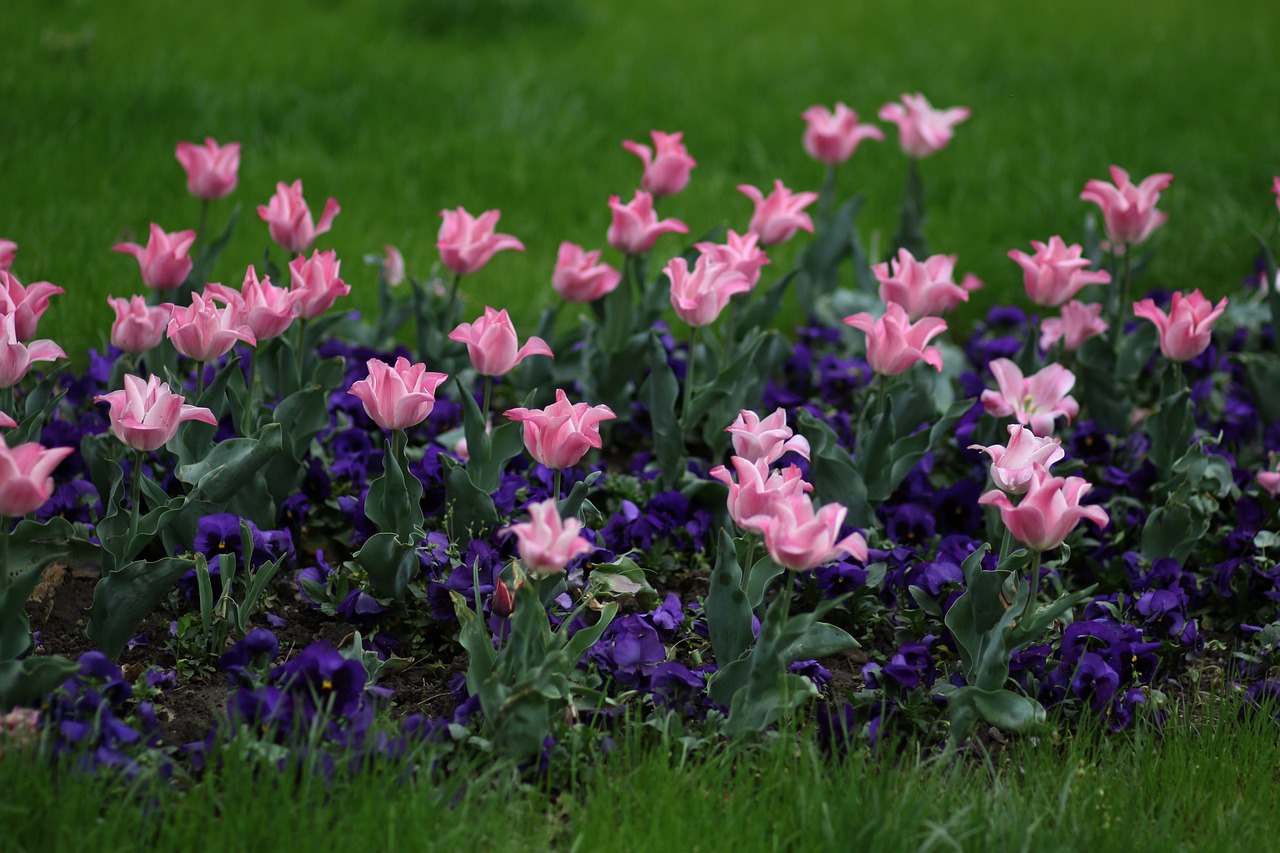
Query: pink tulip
778, 217
636, 227
800, 539
580, 277
1186, 330
202, 331
1275, 188
1270, 480
266, 309
758, 490
924, 288
289, 219
546, 543
492, 343
765, 440
16, 357
137, 327
562, 433
466, 244
1079, 322
1012, 466
317, 281
1048, 512
25, 481
211, 168
164, 262
8, 252
1035, 401
698, 297
667, 173
393, 267
7, 422
27, 304
398, 397
740, 252
1056, 272
1129, 212
922, 130
894, 343
145, 414
832, 138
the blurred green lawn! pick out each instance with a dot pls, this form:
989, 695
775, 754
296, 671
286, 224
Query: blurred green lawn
401, 108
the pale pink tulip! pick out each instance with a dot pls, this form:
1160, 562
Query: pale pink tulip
922, 130
8, 253
26, 304
580, 276
779, 216
699, 296
1035, 401
1187, 329
266, 309
1079, 322
211, 168
399, 396
753, 497
894, 343
666, 165
1129, 212
800, 539
317, 281
636, 227
492, 343
145, 414
766, 439
163, 261
17, 357
202, 331
7, 422
1048, 512
25, 481
289, 219
1270, 480
924, 288
1012, 465
393, 267
466, 244
546, 543
562, 433
137, 327
1056, 272
832, 138
740, 252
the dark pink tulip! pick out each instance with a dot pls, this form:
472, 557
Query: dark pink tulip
894, 343
137, 327
317, 281
211, 168
1186, 330
163, 261
636, 227
562, 433
399, 396
145, 414
833, 137
666, 166
202, 331
493, 345
25, 476
779, 216
466, 243
580, 276
922, 130
1129, 211
26, 304
1048, 512
289, 219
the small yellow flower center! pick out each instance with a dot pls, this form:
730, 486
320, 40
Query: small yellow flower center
326, 684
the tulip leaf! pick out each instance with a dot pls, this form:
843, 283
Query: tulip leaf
23, 683
659, 393
728, 610
124, 597
572, 504
390, 562
394, 500
470, 511
820, 640
832, 471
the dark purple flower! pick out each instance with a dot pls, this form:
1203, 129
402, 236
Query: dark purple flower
1095, 681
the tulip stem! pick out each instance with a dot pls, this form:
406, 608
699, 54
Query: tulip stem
302, 351
1122, 296
1035, 586
827, 196
882, 395
5, 523
488, 396
136, 497
686, 417
453, 299
199, 381
7, 403
204, 219
555, 485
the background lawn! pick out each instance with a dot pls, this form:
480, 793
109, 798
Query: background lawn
404, 107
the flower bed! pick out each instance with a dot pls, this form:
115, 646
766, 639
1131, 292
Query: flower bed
284, 524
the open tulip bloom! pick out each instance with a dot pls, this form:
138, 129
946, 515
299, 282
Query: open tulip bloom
779, 215
922, 130
163, 261
212, 169
580, 276
1187, 329
1056, 272
924, 288
1048, 511
1035, 401
26, 304
26, 478
146, 414
559, 435
666, 166
546, 543
400, 396
833, 137
289, 219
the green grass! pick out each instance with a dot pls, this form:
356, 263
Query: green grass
401, 108
1184, 788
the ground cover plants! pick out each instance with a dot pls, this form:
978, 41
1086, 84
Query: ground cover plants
647, 531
